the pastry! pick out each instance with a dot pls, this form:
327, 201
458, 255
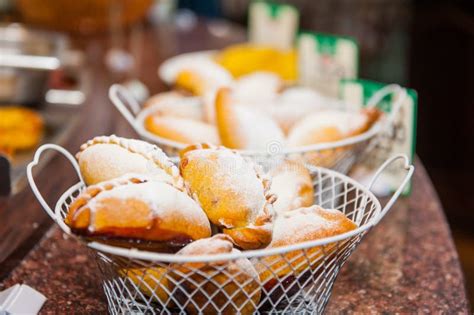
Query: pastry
294, 104
164, 97
298, 226
138, 211
200, 282
242, 127
202, 76
257, 88
175, 104
232, 192
330, 125
292, 185
242, 59
152, 282
108, 157
182, 130
20, 128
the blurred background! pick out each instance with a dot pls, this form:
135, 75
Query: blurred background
426, 45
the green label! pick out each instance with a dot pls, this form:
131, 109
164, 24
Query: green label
274, 8
327, 44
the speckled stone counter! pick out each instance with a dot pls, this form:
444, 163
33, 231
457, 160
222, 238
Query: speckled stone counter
407, 264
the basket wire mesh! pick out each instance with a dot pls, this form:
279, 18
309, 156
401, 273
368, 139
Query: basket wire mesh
291, 279
338, 155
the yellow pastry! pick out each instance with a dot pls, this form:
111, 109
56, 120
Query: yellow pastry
246, 58
258, 90
181, 130
241, 127
20, 128
152, 282
298, 226
136, 210
108, 157
176, 104
329, 126
198, 281
295, 103
202, 76
232, 192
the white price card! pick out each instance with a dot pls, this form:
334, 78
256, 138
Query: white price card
400, 137
272, 24
323, 60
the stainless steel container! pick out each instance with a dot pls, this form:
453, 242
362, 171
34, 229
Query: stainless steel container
27, 58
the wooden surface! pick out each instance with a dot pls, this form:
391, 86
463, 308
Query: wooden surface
406, 264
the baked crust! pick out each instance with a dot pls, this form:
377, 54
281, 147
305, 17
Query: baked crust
107, 157
138, 208
242, 127
175, 104
182, 130
298, 226
330, 126
238, 278
232, 191
292, 185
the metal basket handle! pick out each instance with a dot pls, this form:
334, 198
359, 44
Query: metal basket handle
406, 166
386, 90
123, 100
34, 188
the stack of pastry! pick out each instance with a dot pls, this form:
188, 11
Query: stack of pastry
215, 202
251, 112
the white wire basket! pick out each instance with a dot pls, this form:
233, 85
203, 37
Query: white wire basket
337, 155
291, 279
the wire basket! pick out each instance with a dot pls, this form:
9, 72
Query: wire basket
338, 155
291, 279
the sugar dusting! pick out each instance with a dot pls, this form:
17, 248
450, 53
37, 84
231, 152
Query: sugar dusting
161, 197
176, 105
234, 174
257, 88
147, 150
345, 122
256, 129
286, 186
211, 73
301, 224
239, 177
184, 130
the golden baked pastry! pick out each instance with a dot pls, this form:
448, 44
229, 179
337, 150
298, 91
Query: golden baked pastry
330, 125
176, 104
241, 127
181, 130
232, 192
164, 97
137, 211
238, 278
295, 103
192, 82
153, 282
298, 226
258, 90
108, 157
292, 185
20, 128
202, 76
246, 58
